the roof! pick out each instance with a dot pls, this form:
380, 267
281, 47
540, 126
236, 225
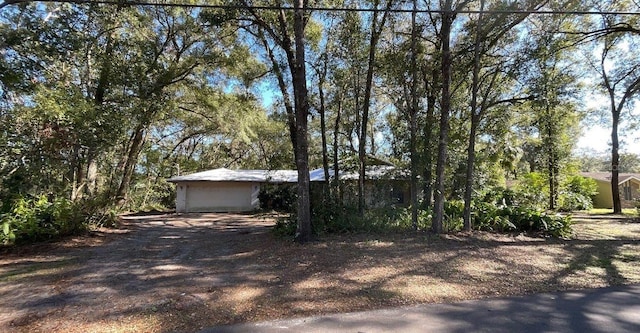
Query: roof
227, 175
285, 176
373, 172
606, 176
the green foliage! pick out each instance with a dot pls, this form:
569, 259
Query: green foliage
332, 217
532, 190
502, 210
533, 220
489, 217
582, 185
281, 198
39, 219
570, 201
453, 215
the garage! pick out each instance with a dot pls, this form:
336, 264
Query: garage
225, 190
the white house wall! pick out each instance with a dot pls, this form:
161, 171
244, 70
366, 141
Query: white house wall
181, 197
217, 196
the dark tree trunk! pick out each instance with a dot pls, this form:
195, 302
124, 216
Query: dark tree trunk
413, 128
92, 172
303, 233
131, 160
323, 125
336, 166
476, 116
445, 35
552, 162
376, 30
428, 140
615, 162
289, 108
468, 190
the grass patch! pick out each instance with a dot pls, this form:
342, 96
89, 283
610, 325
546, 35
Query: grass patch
604, 211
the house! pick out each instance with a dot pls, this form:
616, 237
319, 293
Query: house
629, 186
225, 190
384, 184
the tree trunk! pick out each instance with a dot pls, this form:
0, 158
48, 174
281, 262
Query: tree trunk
476, 116
413, 111
445, 35
552, 162
323, 126
131, 160
92, 173
615, 162
303, 233
428, 141
336, 167
376, 30
468, 190
289, 108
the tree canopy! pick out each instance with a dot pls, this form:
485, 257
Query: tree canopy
102, 102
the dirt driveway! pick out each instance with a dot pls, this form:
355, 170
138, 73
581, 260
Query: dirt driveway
120, 281
169, 273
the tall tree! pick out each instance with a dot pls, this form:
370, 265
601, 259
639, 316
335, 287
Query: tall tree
619, 70
378, 21
278, 31
303, 233
492, 70
449, 10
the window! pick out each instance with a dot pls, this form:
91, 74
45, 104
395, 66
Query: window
397, 195
627, 192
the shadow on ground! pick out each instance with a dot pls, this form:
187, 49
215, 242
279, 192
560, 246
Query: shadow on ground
607, 310
166, 273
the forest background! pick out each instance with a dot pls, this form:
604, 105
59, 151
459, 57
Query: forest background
101, 102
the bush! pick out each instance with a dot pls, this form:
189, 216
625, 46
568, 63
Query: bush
333, 218
487, 216
490, 217
578, 193
39, 219
532, 191
453, 215
581, 185
575, 201
281, 198
499, 196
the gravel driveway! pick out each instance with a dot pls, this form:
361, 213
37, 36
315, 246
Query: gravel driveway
161, 260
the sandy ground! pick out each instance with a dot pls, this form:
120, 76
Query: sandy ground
168, 273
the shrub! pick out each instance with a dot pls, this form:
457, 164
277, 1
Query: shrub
499, 196
453, 215
490, 217
40, 219
335, 217
487, 216
577, 194
575, 201
280, 198
582, 185
532, 191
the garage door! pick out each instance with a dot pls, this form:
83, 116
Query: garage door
220, 197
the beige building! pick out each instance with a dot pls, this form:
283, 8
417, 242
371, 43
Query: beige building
629, 186
224, 190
